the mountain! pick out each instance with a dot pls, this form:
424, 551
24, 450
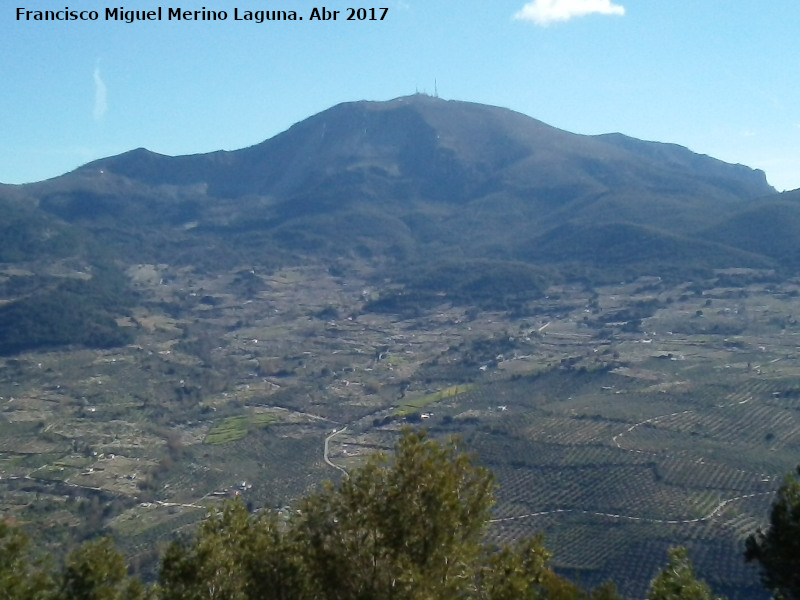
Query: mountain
404, 172
414, 151
455, 151
420, 186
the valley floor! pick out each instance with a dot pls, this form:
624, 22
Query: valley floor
619, 420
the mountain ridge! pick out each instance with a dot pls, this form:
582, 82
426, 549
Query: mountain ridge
333, 134
412, 179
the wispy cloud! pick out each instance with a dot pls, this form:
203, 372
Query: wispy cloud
547, 12
100, 96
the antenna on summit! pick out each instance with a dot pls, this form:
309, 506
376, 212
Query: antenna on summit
435, 89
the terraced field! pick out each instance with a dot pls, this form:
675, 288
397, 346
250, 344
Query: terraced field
684, 443
615, 442
605, 490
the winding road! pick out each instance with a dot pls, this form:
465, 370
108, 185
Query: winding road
325, 456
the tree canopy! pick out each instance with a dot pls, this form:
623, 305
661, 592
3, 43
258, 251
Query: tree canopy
409, 526
677, 581
777, 550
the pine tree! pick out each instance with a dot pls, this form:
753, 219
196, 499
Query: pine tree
21, 576
677, 581
97, 571
235, 556
400, 528
778, 549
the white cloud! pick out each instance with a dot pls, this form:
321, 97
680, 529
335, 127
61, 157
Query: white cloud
546, 12
100, 96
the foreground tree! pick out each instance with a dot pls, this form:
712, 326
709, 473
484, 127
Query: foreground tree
677, 581
21, 576
235, 556
97, 571
778, 549
406, 527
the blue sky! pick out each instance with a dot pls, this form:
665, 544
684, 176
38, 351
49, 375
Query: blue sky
721, 78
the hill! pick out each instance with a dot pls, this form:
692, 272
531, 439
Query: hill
620, 251
770, 228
